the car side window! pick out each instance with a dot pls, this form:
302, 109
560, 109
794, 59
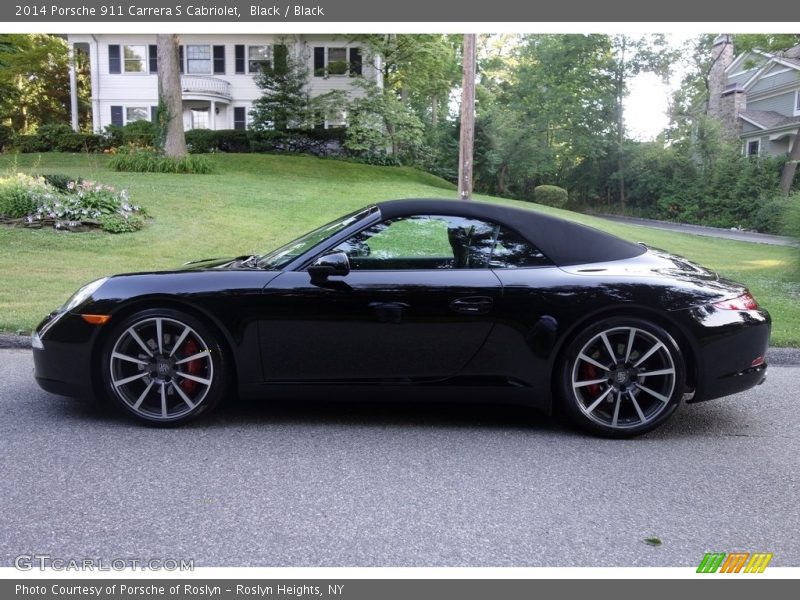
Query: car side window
422, 242
512, 251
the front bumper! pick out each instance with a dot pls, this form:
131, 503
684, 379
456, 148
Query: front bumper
62, 355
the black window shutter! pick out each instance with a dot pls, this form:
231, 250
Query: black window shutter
319, 60
355, 61
180, 57
154, 113
116, 114
153, 52
114, 62
239, 117
219, 60
239, 55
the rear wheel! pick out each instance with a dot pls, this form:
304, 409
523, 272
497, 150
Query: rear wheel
164, 367
622, 377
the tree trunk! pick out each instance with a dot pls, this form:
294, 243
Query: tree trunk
789, 169
621, 143
466, 146
434, 111
170, 113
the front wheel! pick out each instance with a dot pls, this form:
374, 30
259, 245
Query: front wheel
622, 377
164, 367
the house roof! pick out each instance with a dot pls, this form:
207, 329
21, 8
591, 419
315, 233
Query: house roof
768, 119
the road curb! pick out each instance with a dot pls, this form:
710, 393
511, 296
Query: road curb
775, 356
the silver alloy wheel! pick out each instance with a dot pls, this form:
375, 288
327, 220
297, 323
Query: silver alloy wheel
623, 377
161, 368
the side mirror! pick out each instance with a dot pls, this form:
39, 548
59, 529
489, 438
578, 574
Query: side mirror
329, 265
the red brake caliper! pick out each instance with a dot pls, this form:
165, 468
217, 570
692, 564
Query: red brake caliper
193, 367
589, 371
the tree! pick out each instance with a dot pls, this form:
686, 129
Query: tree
466, 145
777, 43
284, 103
634, 55
34, 81
170, 99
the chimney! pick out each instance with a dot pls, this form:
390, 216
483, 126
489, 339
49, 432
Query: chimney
721, 57
725, 101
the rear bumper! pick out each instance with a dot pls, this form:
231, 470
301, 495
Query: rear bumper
731, 350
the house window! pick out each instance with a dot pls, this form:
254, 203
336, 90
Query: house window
137, 113
337, 118
337, 61
198, 59
258, 57
239, 117
219, 60
200, 118
797, 103
753, 147
116, 116
134, 58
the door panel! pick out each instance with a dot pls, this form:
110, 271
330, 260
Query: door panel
375, 325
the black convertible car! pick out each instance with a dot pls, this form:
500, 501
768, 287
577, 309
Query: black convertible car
469, 296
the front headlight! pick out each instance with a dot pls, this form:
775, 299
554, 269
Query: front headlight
83, 294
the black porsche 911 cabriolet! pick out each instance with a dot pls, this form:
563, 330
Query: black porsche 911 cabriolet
463, 295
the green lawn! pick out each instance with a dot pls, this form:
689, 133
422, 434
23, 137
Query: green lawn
255, 202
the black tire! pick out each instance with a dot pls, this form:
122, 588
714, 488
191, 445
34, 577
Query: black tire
627, 394
167, 384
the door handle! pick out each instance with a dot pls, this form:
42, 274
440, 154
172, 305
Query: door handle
389, 312
472, 305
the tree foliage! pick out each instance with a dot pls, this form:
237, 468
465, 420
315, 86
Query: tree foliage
34, 82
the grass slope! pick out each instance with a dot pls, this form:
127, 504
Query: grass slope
256, 202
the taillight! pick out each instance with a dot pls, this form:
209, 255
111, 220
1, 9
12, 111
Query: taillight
743, 302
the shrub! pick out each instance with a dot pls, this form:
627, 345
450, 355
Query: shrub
67, 203
201, 141
148, 160
117, 223
140, 133
319, 142
60, 181
112, 135
21, 195
28, 143
550, 195
6, 135
770, 215
52, 135
791, 216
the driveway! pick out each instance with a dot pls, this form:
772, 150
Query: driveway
728, 234
310, 484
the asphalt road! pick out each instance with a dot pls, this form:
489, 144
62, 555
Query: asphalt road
717, 232
400, 485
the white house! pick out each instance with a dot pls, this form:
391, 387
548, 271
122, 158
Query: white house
217, 75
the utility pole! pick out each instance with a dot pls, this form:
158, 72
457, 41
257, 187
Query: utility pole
467, 142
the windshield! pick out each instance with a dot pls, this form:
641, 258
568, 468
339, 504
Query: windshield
277, 259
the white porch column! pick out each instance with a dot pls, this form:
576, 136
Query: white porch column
213, 117
73, 87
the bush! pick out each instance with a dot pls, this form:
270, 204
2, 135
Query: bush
52, 135
112, 135
550, 195
60, 181
140, 133
791, 216
117, 223
201, 141
28, 143
319, 142
21, 195
148, 160
770, 215
6, 135
67, 203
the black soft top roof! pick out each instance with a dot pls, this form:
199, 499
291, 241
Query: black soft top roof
564, 242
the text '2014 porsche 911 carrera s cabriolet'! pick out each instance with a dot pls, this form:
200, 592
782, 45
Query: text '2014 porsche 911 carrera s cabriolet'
461, 295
